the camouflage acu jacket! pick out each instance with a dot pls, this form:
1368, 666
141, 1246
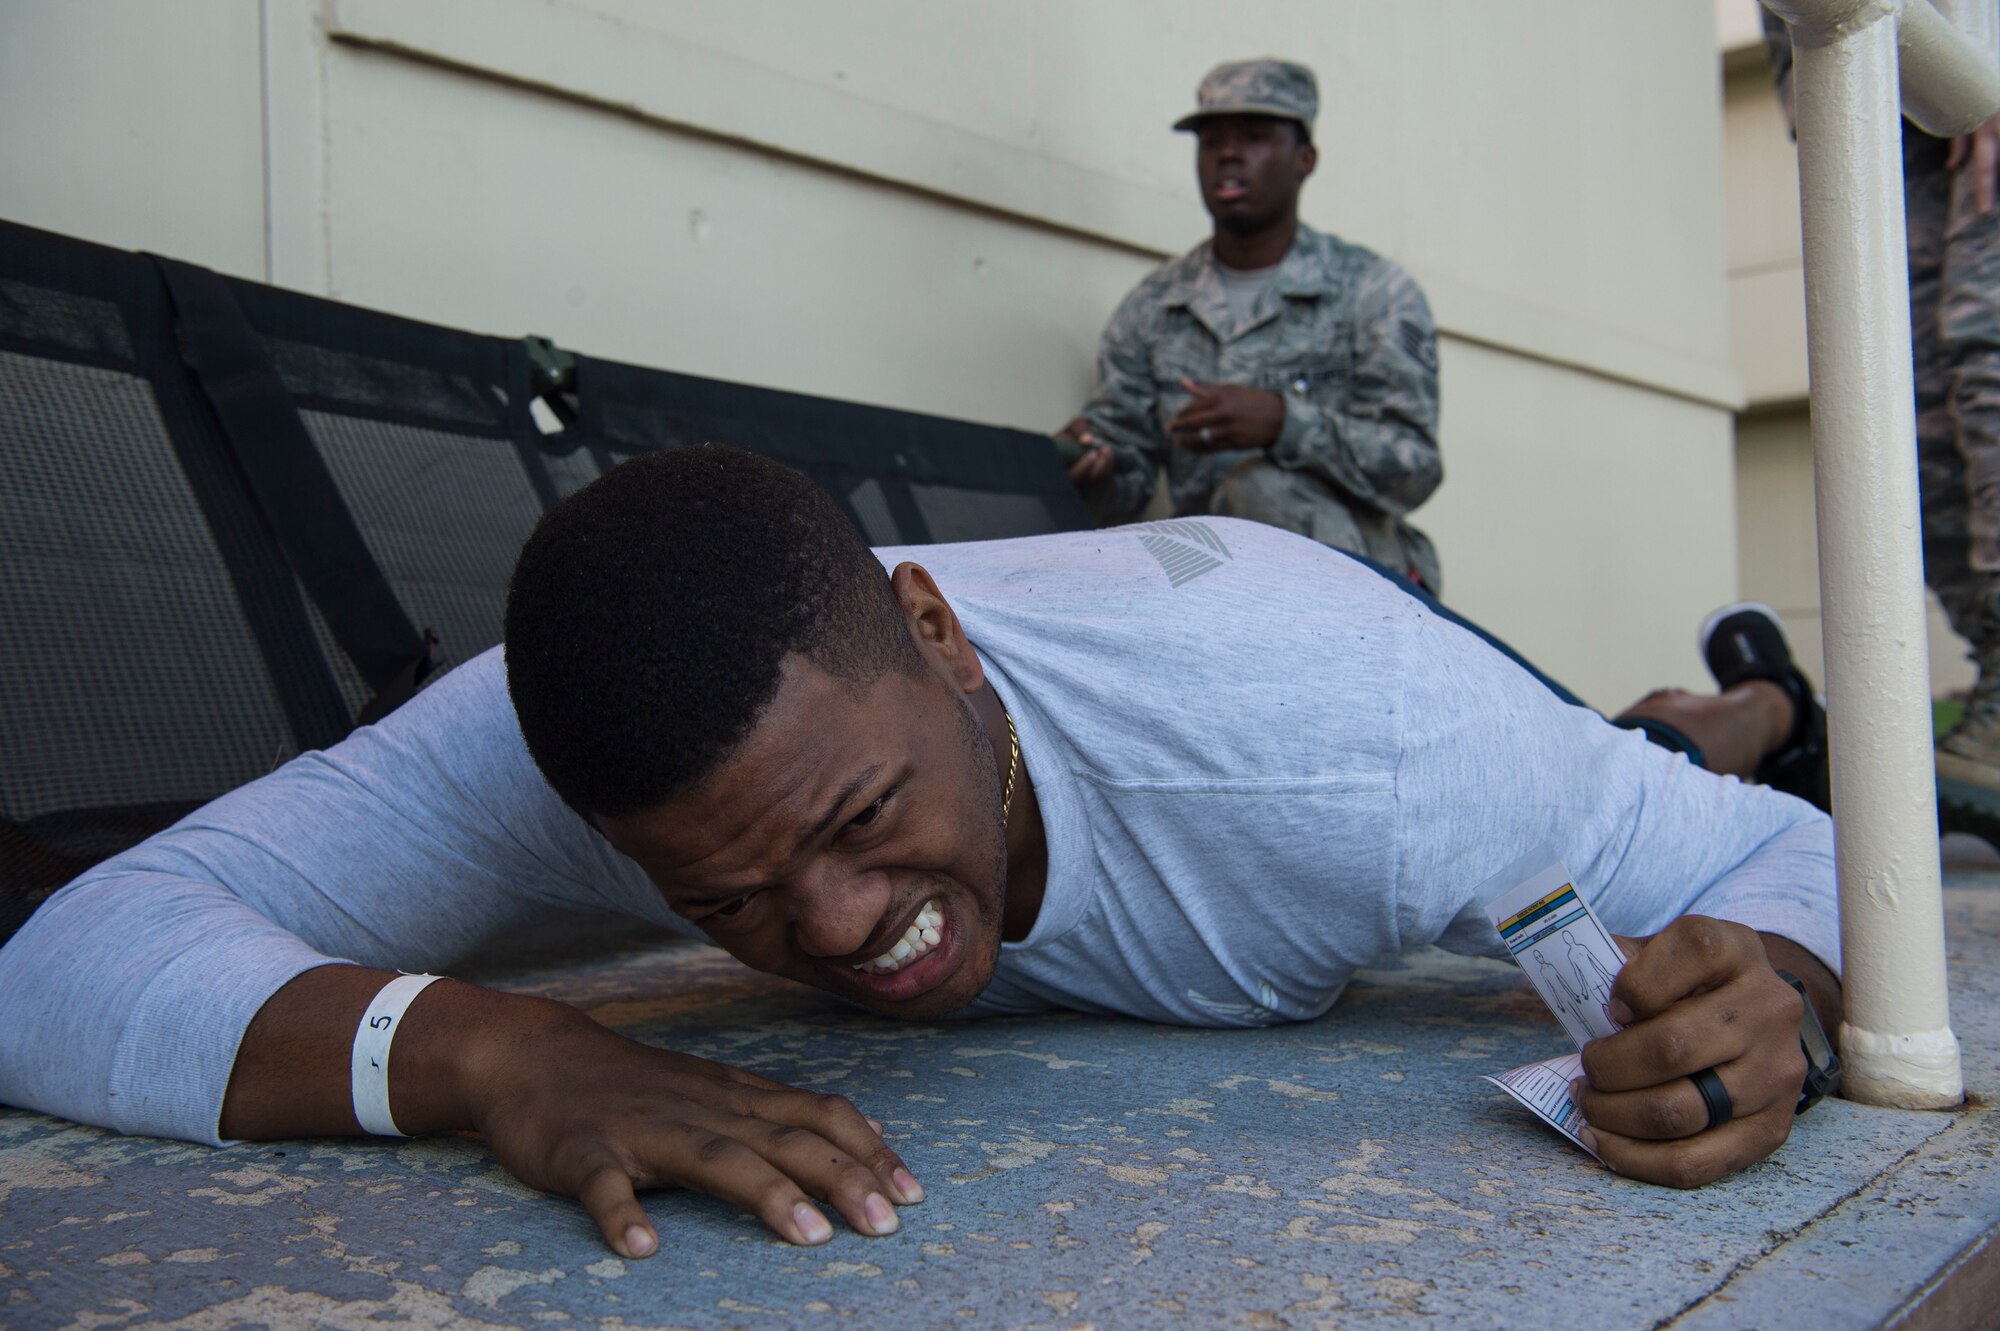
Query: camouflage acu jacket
1346, 338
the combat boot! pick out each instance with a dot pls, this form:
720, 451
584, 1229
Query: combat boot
1968, 757
1970, 751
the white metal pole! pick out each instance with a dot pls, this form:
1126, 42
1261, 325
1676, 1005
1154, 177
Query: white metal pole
1949, 79
1980, 24
1896, 1042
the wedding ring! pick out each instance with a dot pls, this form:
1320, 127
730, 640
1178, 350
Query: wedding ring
1715, 1095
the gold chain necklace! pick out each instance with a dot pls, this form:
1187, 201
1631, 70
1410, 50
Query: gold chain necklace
1013, 764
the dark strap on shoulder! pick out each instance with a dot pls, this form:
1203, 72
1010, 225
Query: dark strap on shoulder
293, 486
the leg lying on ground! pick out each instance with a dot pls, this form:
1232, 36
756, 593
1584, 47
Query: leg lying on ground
1736, 729
1764, 725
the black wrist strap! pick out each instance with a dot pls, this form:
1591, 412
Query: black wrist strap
1822, 1062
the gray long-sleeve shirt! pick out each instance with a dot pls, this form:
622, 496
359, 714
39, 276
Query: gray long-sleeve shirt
1259, 765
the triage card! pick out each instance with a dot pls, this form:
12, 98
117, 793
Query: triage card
1572, 960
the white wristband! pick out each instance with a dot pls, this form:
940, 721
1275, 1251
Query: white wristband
370, 1064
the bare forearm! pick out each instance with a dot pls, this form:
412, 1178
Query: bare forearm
567, 1106
291, 1076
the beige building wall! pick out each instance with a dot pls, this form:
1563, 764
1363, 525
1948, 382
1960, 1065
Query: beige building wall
1776, 535
935, 206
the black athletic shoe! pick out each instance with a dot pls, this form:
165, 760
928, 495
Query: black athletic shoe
1746, 641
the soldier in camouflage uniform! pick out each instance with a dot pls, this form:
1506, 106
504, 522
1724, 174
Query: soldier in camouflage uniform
1954, 242
1277, 373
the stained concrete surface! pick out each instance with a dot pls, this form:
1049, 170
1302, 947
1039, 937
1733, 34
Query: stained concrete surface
1349, 1172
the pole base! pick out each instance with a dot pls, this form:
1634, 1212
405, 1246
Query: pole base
1907, 1070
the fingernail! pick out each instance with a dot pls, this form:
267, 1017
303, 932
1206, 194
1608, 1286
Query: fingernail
1619, 1012
813, 1226
1588, 1138
908, 1190
881, 1216
875, 1126
1576, 1089
639, 1243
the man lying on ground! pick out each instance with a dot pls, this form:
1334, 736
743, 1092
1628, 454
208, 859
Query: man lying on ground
1196, 771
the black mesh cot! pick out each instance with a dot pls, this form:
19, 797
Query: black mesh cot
236, 521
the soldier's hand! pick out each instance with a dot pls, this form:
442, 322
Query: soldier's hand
1227, 416
1700, 994
1095, 464
1980, 150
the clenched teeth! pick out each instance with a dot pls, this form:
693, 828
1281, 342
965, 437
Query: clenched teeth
919, 938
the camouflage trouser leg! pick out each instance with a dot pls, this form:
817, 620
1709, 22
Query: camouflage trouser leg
1955, 336
1260, 491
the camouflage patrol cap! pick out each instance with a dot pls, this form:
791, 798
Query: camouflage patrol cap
1256, 88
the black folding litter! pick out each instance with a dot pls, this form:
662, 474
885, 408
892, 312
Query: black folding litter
236, 519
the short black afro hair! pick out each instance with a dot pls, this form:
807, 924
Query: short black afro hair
649, 614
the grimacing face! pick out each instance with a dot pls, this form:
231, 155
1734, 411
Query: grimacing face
1250, 169
847, 819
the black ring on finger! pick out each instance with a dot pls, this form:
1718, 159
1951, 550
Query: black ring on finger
1714, 1095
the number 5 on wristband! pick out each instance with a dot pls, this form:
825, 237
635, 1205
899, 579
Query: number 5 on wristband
369, 1066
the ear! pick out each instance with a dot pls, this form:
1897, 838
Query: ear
1308, 159
935, 626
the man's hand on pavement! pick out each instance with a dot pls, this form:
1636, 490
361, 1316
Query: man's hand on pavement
1227, 416
577, 1109
1702, 993
1981, 149
1095, 464
568, 1106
